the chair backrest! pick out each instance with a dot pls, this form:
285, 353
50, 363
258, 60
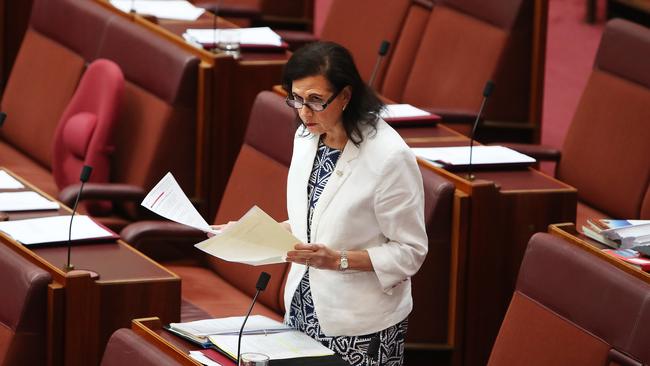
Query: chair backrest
447, 51
156, 126
83, 136
125, 347
23, 310
361, 26
606, 154
259, 177
572, 308
430, 286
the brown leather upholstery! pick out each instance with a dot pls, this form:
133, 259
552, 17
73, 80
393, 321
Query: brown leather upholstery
570, 308
606, 154
125, 347
23, 310
428, 320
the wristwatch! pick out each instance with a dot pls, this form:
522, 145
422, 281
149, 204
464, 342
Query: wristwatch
343, 265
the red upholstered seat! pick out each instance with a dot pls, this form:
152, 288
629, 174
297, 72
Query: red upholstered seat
83, 136
575, 309
23, 310
125, 347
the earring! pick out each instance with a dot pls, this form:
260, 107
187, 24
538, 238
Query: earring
344, 106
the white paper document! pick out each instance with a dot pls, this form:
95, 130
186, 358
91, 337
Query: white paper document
262, 36
164, 9
402, 111
482, 155
256, 324
204, 360
629, 236
255, 239
53, 229
9, 182
25, 201
168, 200
277, 346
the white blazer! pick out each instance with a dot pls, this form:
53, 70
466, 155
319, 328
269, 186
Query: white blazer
374, 200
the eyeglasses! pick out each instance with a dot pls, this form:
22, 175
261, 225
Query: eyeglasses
314, 106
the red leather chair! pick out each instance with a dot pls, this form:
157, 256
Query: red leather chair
23, 310
606, 154
575, 309
84, 134
125, 347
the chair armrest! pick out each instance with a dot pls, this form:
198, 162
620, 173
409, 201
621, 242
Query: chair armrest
539, 152
165, 230
102, 191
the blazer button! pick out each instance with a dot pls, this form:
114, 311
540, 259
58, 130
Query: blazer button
339, 173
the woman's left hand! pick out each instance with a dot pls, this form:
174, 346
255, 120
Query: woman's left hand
314, 255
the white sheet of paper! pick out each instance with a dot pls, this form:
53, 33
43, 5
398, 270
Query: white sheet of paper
256, 324
25, 201
263, 36
277, 346
255, 239
9, 182
168, 200
53, 229
402, 110
165, 9
200, 357
629, 235
459, 155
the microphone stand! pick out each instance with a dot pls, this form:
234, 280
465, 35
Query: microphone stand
262, 282
487, 91
383, 50
85, 175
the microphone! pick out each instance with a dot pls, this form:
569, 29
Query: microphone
85, 175
383, 50
487, 91
262, 281
373, 349
3, 116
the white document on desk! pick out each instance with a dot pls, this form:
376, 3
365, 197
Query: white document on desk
291, 344
459, 155
164, 9
54, 229
255, 239
9, 182
263, 36
402, 111
168, 200
25, 201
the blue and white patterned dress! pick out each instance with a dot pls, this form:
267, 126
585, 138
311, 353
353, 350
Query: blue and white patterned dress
302, 314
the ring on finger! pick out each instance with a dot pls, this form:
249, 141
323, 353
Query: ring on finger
307, 262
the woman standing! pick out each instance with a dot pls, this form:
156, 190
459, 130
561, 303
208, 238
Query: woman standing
355, 198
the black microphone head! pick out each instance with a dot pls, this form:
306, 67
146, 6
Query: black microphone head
85, 173
489, 88
263, 281
3, 116
383, 48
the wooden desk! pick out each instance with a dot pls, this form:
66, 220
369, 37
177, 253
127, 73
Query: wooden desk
493, 218
151, 330
82, 311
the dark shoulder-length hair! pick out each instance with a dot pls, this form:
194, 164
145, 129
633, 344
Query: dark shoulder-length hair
336, 64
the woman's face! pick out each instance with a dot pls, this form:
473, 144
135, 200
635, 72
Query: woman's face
318, 90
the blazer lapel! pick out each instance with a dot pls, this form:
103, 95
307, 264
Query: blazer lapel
341, 173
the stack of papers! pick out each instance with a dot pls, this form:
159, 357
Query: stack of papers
25, 201
9, 182
457, 157
396, 113
54, 229
623, 234
262, 335
164, 9
258, 36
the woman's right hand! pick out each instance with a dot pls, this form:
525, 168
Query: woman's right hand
221, 227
